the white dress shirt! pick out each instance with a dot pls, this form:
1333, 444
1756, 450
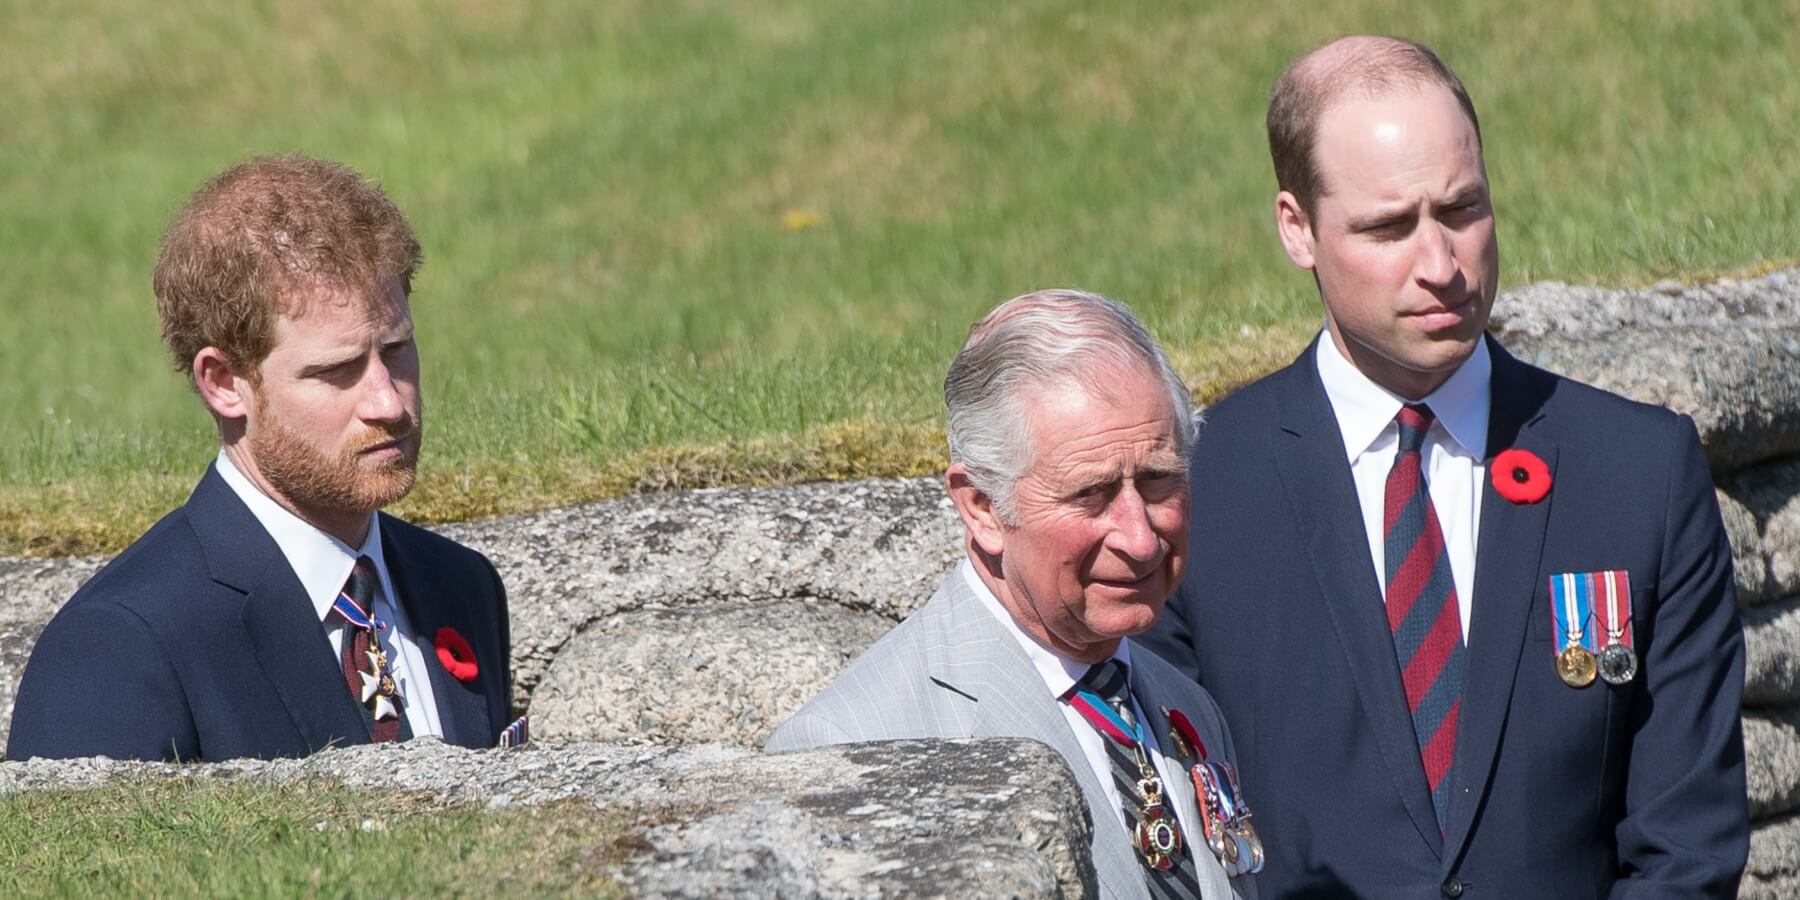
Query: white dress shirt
323, 564
1452, 455
1059, 676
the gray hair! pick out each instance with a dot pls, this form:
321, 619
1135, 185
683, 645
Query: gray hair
1039, 341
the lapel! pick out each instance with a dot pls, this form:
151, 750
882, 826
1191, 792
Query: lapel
1506, 580
1321, 496
462, 708
284, 632
983, 663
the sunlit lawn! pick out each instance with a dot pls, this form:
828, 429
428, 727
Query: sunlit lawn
693, 243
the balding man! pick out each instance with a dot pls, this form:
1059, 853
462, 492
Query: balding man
1069, 435
1472, 623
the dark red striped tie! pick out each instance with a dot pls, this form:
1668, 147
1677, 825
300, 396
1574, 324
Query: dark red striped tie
1422, 609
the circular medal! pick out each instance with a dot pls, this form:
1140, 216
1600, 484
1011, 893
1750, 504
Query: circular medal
1618, 664
1576, 666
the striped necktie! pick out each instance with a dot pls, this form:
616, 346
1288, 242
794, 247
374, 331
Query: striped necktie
1422, 608
1108, 681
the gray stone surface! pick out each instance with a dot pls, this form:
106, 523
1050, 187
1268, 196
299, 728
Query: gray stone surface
880, 546
1749, 561
718, 672
1553, 308
1772, 651
1774, 869
920, 818
1772, 758
1761, 505
1726, 353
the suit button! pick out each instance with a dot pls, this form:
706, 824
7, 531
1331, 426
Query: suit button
1453, 889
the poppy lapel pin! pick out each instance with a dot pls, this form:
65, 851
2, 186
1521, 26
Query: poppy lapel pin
454, 652
1520, 476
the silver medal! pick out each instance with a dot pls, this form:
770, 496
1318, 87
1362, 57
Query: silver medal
1618, 664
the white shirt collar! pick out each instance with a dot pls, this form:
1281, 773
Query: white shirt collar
1365, 409
320, 561
1058, 672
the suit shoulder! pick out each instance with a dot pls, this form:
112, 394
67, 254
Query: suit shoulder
1159, 670
153, 573
1587, 408
1255, 400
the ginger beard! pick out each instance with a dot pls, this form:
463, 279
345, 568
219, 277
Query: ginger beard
347, 481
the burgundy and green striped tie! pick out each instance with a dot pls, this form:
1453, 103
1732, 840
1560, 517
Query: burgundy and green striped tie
1422, 609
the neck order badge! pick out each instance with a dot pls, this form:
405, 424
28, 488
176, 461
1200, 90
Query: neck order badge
362, 638
1156, 835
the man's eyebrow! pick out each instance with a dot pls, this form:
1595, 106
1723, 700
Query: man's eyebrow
330, 364
1382, 218
1092, 480
1466, 194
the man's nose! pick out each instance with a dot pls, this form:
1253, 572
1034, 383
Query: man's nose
1435, 264
381, 400
1132, 535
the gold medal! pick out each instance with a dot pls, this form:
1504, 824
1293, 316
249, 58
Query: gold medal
1576, 666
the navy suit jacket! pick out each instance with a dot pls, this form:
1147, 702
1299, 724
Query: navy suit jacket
198, 643
1630, 791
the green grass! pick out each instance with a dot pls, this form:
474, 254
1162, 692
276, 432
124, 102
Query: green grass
616, 297
172, 838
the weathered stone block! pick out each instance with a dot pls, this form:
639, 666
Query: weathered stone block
1749, 561
905, 819
1772, 757
718, 672
877, 545
1774, 869
1761, 506
1772, 651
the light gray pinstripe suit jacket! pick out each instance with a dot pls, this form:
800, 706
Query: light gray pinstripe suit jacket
951, 671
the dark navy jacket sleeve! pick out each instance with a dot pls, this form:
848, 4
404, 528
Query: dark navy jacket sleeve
1686, 826
100, 683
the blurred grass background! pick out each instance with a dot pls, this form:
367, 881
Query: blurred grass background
694, 243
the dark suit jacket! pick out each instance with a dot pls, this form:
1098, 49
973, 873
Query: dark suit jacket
1631, 791
198, 643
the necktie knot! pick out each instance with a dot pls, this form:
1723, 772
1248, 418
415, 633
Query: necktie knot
1109, 681
1414, 420
360, 586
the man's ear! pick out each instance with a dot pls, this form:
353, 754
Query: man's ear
1295, 228
977, 511
225, 391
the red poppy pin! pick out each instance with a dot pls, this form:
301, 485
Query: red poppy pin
454, 652
1520, 476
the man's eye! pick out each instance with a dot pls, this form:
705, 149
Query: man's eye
1389, 231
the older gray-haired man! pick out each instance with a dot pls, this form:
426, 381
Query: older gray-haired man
1069, 437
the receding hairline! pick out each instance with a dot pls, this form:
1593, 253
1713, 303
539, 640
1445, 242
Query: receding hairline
1369, 66
1359, 67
